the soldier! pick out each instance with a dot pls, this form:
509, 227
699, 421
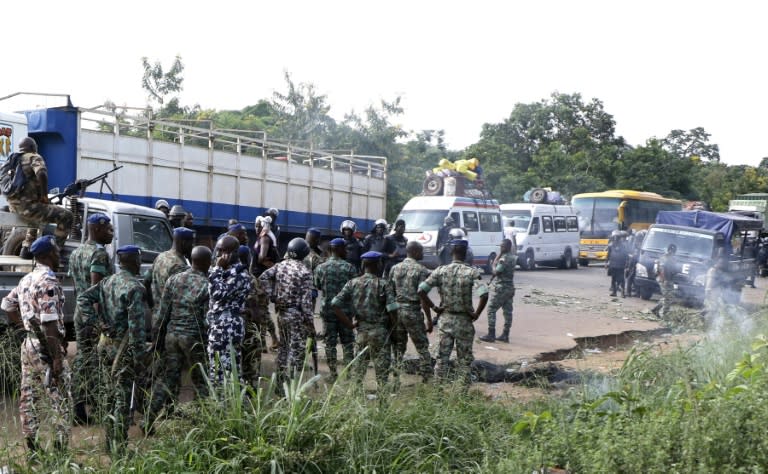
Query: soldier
377, 241
238, 231
503, 292
330, 277
354, 248
122, 302
166, 264
617, 261
30, 202
37, 305
666, 268
316, 254
443, 238
404, 280
88, 265
289, 286
189, 220
367, 296
455, 282
229, 284
182, 320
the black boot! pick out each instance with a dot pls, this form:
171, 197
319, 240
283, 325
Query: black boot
490, 337
32, 445
81, 415
504, 336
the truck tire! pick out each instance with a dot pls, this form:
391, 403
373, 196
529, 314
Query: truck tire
645, 292
489, 267
433, 186
538, 196
529, 262
12, 245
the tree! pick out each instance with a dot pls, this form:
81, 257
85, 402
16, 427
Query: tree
302, 115
653, 168
159, 84
692, 144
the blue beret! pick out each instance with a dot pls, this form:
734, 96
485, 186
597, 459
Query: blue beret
372, 255
98, 218
42, 245
128, 249
184, 233
236, 227
459, 243
313, 231
338, 242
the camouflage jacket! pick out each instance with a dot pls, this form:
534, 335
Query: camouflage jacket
289, 285
228, 289
504, 270
86, 259
330, 277
31, 164
314, 259
185, 303
166, 264
404, 279
367, 296
456, 282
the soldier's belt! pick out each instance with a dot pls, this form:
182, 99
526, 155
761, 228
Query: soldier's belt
287, 307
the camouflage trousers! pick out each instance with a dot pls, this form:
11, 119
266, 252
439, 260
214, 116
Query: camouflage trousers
253, 346
37, 213
503, 296
35, 395
410, 322
123, 387
666, 300
182, 351
456, 329
292, 325
335, 332
374, 339
85, 364
225, 337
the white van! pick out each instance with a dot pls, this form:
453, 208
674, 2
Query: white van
544, 233
480, 218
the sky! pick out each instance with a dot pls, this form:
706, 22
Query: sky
655, 65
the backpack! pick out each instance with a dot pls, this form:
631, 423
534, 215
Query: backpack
12, 178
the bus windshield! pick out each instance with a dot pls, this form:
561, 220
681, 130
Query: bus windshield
598, 217
519, 219
420, 221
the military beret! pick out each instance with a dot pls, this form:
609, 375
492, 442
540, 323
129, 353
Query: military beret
128, 249
184, 233
313, 231
236, 227
98, 218
459, 243
372, 255
338, 242
42, 245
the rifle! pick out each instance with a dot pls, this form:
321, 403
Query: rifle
45, 352
79, 186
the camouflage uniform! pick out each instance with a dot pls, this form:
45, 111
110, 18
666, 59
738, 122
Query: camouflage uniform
330, 277
367, 296
90, 257
122, 348
666, 270
182, 311
503, 293
166, 264
289, 286
455, 282
228, 290
404, 280
26, 202
256, 319
39, 299
314, 259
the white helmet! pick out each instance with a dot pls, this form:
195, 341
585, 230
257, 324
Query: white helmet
380, 222
348, 225
457, 233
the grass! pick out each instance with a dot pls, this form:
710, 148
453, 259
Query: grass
699, 408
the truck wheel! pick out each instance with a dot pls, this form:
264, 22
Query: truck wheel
528, 263
584, 262
567, 262
645, 292
12, 245
538, 196
489, 267
433, 186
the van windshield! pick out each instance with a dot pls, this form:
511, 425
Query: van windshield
420, 221
517, 219
689, 244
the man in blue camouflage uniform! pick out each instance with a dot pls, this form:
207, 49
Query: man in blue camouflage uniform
288, 285
330, 277
404, 280
88, 265
503, 286
122, 302
229, 284
366, 295
455, 282
182, 320
169, 263
37, 304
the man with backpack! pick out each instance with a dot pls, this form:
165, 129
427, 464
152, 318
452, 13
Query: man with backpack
24, 182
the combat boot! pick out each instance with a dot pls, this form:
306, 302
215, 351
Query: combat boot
81, 415
490, 337
504, 336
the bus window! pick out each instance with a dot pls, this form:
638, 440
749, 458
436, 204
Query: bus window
490, 222
559, 224
546, 223
572, 224
534, 226
470, 221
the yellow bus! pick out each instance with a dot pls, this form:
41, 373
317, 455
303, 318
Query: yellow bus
618, 209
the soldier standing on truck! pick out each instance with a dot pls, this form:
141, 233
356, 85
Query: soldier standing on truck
666, 268
30, 202
88, 265
37, 304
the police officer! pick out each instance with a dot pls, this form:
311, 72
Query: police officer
503, 292
37, 304
354, 248
458, 234
289, 286
88, 265
122, 301
31, 201
162, 206
617, 261
455, 283
329, 278
166, 264
367, 296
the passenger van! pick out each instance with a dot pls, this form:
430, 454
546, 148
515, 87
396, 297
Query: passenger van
480, 218
544, 234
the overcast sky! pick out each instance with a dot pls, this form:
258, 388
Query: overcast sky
656, 65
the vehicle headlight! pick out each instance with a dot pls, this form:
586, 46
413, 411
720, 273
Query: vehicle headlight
641, 271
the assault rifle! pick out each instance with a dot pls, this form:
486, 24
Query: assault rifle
79, 186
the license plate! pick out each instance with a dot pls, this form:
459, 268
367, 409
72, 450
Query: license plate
591, 254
